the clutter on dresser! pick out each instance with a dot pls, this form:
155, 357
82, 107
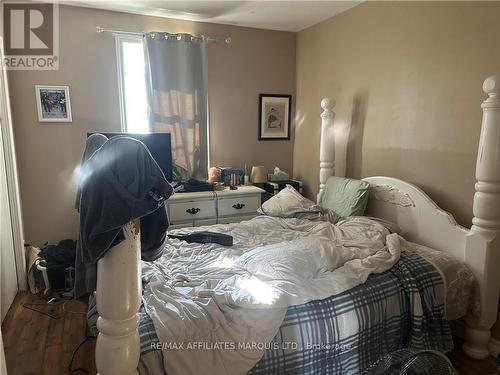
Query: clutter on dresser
219, 186
232, 176
234, 181
246, 177
214, 175
193, 185
259, 174
229, 176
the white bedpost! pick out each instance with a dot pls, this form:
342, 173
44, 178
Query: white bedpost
118, 302
327, 146
482, 250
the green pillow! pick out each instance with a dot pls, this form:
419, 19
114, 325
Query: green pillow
345, 196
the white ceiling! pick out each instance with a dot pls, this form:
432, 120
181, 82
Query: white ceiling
273, 15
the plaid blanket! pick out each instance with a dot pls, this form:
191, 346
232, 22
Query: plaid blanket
346, 333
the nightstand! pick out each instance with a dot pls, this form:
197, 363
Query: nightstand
272, 188
213, 207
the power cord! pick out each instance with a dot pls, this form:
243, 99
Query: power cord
70, 366
53, 302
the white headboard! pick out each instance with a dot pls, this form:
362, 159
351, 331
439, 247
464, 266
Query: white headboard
422, 221
419, 218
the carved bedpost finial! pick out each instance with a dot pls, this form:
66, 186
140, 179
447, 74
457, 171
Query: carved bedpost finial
327, 145
327, 104
491, 86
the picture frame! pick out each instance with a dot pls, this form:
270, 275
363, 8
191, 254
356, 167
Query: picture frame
274, 117
53, 103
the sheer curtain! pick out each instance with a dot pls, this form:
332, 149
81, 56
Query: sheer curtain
176, 69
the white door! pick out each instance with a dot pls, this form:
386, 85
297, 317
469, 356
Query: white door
12, 263
8, 276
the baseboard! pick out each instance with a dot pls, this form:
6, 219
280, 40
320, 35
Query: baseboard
494, 347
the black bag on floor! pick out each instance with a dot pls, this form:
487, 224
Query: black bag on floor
57, 259
63, 253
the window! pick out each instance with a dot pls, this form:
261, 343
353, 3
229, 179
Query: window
132, 84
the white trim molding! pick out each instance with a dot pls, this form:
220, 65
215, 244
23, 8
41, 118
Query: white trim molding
12, 177
119, 40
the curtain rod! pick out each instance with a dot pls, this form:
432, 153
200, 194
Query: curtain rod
215, 39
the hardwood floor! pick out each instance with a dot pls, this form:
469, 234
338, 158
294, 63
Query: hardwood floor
37, 344
466, 365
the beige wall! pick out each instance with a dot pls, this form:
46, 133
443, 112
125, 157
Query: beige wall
257, 61
407, 78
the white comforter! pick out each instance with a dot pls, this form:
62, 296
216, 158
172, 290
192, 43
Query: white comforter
216, 307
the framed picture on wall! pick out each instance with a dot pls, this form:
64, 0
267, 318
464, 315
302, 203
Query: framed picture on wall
53, 103
274, 116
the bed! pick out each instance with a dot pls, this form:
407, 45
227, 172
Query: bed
421, 221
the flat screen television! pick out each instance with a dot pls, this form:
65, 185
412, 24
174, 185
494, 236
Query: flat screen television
158, 144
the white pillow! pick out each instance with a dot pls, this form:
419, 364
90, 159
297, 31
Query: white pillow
287, 203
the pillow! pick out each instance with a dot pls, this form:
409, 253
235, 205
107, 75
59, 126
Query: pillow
345, 196
287, 203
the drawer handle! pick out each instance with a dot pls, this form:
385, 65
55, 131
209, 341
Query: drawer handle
238, 206
193, 211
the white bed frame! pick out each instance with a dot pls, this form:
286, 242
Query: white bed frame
422, 221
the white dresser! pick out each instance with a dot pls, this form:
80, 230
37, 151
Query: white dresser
213, 207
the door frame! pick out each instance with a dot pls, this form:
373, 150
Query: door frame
3, 364
12, 176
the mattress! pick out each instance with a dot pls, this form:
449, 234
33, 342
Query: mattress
378, 309
462, 289
347, 332
204, 295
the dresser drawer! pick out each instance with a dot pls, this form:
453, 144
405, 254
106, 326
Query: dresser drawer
183, 211
238, 205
